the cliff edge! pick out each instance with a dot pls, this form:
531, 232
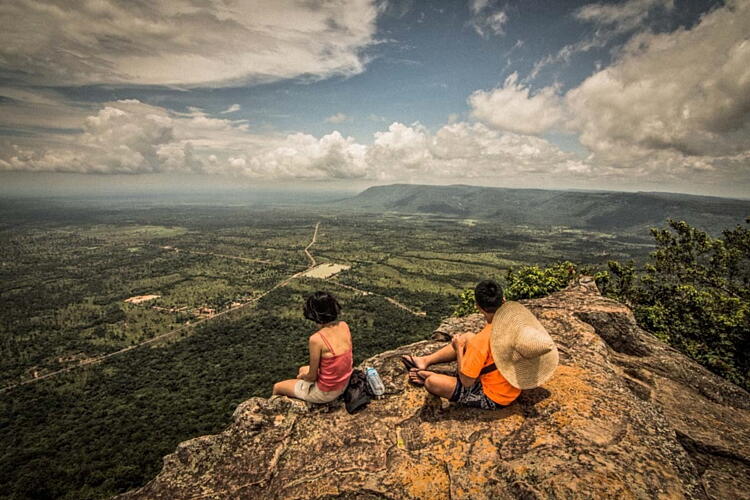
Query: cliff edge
623, 416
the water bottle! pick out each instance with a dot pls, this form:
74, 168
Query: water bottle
374, 381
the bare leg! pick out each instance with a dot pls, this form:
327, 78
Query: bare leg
445, 354
285, 388
435, 383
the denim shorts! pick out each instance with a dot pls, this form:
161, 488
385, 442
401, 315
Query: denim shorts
473, 396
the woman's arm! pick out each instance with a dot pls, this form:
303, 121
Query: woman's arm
315, 351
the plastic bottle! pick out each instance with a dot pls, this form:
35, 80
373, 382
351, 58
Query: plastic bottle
374, 381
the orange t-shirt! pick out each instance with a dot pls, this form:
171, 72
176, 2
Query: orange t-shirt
478, 355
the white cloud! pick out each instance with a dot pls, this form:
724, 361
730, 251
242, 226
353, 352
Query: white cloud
465, 151
182, 42
302, 156
129, 136
26, 109
477, 6
495, 22
622, 17
411, 153
133, 137
400, 148
610, 21
337, 118
685, 94
476, 151
487, 19
231, 109
236, 162
672, 108
512, 107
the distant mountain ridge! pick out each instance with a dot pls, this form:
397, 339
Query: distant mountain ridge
604, 210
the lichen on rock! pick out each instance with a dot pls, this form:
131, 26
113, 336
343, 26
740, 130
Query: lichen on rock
623, 416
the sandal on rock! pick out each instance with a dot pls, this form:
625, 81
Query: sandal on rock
408, 362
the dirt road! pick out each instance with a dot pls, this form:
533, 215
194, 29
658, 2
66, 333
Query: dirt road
307, 248
365, 292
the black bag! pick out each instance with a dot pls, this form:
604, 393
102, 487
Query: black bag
357, 394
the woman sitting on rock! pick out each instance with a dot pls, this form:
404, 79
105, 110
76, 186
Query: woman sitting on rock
327, 375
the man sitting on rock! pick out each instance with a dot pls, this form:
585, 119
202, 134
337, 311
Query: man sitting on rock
514, 353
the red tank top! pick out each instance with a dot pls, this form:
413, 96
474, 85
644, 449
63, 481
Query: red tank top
334, 372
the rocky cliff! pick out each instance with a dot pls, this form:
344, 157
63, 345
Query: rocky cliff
623, 416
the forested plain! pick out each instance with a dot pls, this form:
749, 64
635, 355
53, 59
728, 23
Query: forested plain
67, 269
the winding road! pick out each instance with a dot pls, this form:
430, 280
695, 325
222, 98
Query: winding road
307, 248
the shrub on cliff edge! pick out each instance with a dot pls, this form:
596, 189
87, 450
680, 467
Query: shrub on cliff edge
527, 282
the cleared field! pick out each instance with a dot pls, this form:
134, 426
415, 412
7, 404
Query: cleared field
323, 271
138, 299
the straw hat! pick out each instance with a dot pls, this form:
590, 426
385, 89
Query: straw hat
523, 351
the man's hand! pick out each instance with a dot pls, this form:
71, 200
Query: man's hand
303, 370
459, 342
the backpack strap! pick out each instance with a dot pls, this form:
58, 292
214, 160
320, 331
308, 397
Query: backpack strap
328, 343
487, 369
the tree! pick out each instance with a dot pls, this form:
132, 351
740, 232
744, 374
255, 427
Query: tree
529, 282
466, 305
693, 293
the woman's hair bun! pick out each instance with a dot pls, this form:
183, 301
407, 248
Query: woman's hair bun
321, 307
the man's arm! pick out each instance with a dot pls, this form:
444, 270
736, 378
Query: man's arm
459, 345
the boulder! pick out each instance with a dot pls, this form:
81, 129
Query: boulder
623, 416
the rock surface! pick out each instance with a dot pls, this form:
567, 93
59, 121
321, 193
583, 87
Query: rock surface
623, 416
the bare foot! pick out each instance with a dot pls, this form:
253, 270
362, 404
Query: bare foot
414, 362
417, 377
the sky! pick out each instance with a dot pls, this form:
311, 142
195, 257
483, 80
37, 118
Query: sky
649, 95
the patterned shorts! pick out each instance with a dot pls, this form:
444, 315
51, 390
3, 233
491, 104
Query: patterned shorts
473, 396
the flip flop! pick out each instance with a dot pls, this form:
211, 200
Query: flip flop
414, 381
408, 362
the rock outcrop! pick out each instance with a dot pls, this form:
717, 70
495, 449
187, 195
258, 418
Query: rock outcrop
623, 416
